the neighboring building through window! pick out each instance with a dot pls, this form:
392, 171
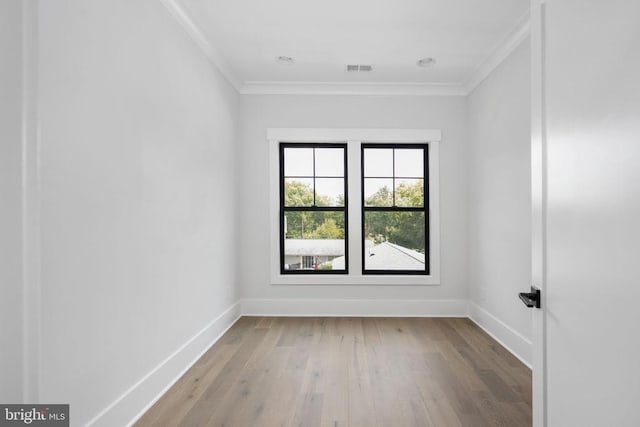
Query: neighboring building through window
313, 208
395, 214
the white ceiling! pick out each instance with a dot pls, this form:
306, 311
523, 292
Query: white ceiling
323, 36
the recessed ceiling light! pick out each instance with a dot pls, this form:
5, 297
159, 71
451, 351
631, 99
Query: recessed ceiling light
284, 60
426, 62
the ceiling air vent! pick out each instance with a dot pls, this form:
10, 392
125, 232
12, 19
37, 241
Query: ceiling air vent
355, 68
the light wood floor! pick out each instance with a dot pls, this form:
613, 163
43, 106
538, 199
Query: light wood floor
350, 372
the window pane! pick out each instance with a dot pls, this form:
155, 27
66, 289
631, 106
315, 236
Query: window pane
378, 192
378, 162
329, 162
394, 241
409, 163
409, 192
314, 241
298, 161
329, 191
298, 192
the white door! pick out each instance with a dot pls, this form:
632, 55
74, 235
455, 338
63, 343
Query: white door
538, 204
586, 182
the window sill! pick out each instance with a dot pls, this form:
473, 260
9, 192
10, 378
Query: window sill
351, 280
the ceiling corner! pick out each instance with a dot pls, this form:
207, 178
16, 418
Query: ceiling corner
179, 12
502, 52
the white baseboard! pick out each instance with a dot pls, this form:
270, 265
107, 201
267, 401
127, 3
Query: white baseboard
134, 402
354, 307
518, 345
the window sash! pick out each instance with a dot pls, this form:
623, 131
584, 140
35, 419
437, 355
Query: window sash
284, 209
424, 208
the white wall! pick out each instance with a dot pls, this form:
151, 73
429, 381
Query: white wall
10, 202
500, 201
138, 226
261, 112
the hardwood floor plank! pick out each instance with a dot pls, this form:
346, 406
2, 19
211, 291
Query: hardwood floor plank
484, 357
277, 371
278, 403
298, 359
465, 372
290, 327
217, 390
438, 406
360, 400
497, 413
458, 396
370, 331
189, 388
453, 337
310, 413
264, 322
246, 396
498, 388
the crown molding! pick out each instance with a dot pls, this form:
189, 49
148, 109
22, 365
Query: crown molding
178, 11
516, 36
348, 88
509, 44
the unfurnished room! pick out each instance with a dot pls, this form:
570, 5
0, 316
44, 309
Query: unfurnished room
336, 213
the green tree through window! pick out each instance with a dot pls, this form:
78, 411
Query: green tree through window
402, 228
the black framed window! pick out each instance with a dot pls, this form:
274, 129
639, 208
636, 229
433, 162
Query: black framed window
395, 211
313, 208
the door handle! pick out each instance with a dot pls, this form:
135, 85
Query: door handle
531, 299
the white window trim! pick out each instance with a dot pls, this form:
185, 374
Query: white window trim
353, 138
